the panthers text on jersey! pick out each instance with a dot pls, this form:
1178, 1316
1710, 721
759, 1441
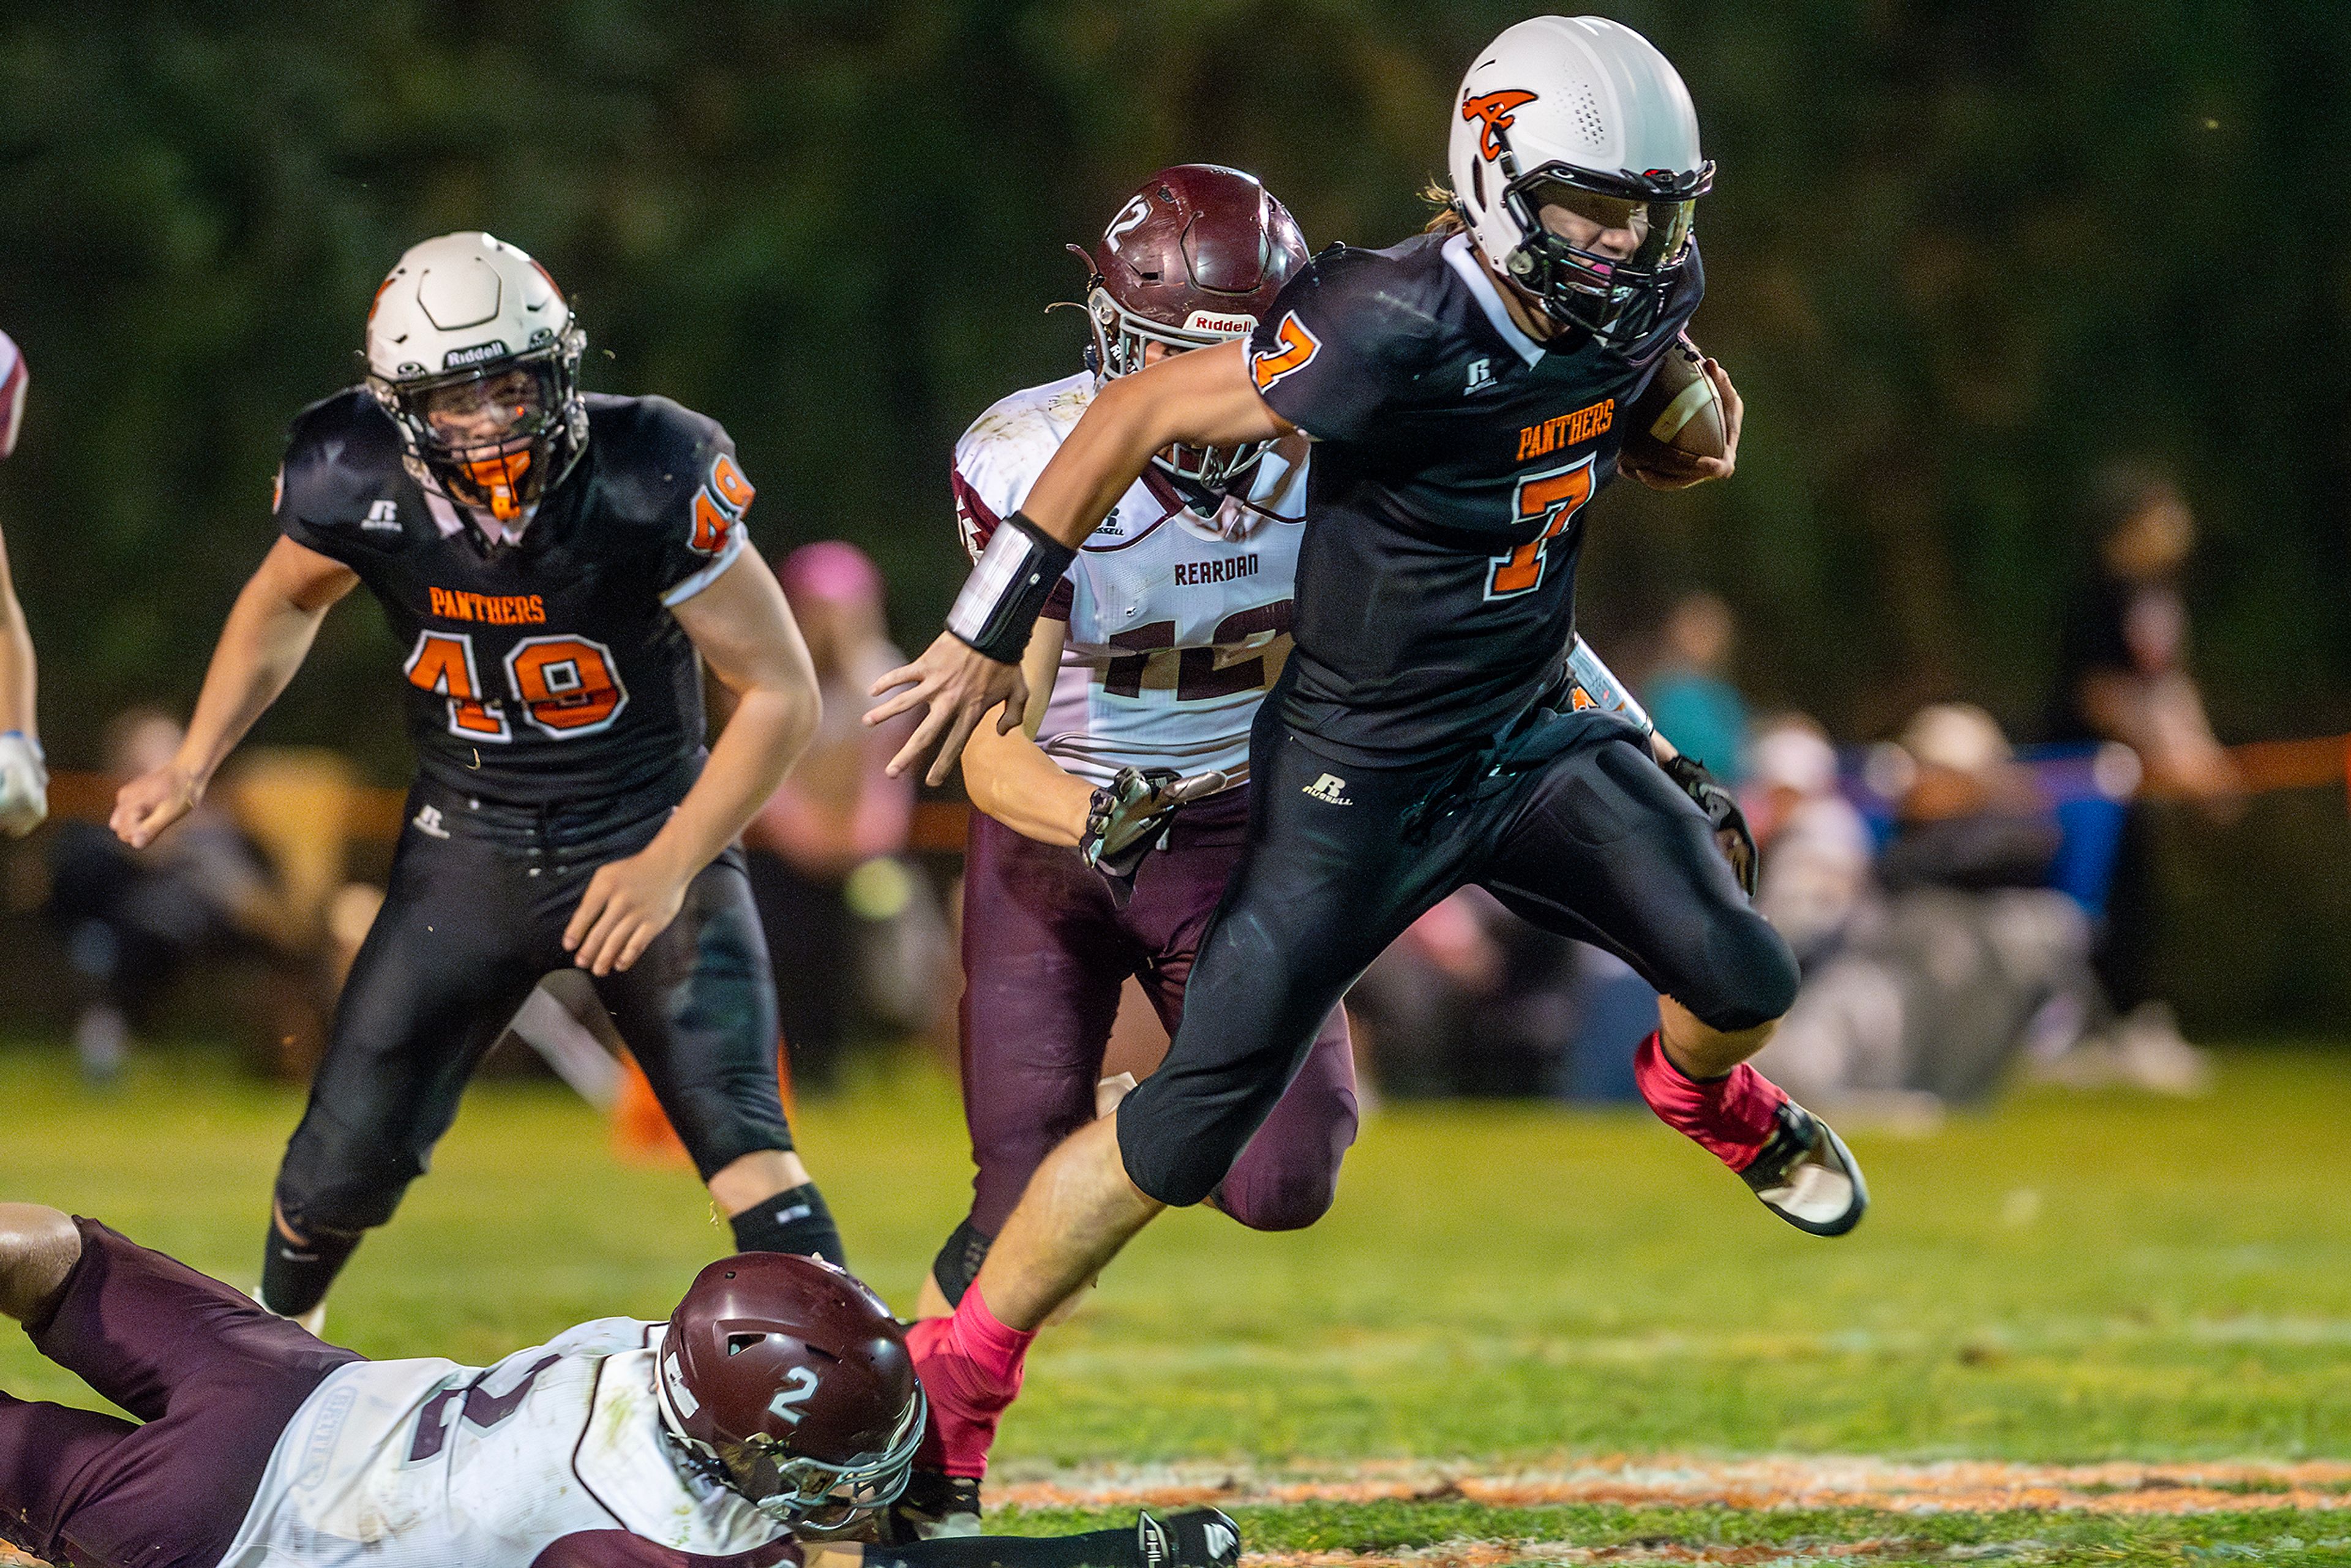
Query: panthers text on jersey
547, 667
1453, 456
427, 1464
1178, 626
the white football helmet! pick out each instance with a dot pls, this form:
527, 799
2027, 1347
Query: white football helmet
474, 353
1583, 112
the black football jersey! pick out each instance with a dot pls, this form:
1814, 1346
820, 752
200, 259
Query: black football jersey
1455, 457
550, 669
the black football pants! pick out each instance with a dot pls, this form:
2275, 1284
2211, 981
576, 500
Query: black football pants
1595, 843
473, 918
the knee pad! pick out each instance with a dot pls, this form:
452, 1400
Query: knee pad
1278, 1199
340, 1188
1752, 976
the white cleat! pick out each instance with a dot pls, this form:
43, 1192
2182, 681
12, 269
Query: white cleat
1807, 1177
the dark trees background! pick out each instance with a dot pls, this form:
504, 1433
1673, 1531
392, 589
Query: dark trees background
1958, 254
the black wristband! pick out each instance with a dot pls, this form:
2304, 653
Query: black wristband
1007, 589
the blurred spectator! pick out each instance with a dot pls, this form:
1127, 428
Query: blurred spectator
1816, 849
1964, 960
852, 929
133, 920
2124, 677
1689, 696
1470, 1001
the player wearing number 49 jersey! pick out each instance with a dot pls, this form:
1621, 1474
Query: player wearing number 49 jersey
1462, 391
557, 568
777, 1399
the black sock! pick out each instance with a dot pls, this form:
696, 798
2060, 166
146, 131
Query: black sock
794, 1221
295, 1275
957, 1264
1097, 1548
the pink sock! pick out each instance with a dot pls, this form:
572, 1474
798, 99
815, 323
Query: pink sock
970, 1367
1732, 1117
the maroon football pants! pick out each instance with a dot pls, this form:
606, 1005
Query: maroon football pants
1046, 951
213, 1376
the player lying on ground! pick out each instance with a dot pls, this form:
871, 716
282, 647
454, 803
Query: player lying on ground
1462, 388
24, 773
559, 566
778, 1397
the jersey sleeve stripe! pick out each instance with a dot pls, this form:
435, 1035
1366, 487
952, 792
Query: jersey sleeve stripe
737, 537
975, 519
13, 380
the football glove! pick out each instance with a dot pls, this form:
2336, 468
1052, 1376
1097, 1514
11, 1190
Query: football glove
24, 784
1721, 809
1130, 819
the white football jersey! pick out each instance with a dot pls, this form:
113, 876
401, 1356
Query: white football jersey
1178, 624
427, 1464
12, 392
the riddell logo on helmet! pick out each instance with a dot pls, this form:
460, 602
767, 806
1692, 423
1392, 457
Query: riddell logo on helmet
1220, 321
1497, 110
457, 359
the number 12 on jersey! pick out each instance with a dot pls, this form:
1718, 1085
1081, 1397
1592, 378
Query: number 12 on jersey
1556, 496
565, 686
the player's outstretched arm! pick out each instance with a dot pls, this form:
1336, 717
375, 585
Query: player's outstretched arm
1008, 774
24, 779
1205, 398
268, 634
746, 635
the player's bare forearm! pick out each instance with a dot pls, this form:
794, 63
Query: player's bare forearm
1008, 774
1205, 398
746, 635
17, 667
268, 634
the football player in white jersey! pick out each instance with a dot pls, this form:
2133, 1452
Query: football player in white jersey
24, 774
1147, 672
777, 1400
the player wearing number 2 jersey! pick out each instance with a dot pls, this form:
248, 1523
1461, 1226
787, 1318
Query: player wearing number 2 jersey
1462, 389
1152, 658
556, 569
778, 1398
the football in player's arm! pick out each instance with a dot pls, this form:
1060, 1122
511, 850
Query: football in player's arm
560, 566
1462, 388
778, 1397
24, 772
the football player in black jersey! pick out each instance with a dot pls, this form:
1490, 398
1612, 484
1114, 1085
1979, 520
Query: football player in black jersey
1463, 389
559, 568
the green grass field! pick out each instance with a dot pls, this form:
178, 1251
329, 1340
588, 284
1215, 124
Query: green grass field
1578, 1301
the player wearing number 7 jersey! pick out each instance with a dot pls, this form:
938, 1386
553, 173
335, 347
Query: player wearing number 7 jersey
557, 568
1462, 389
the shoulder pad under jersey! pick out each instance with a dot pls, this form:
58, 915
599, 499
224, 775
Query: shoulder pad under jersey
1007, 447
1352, 328
342, 455
652, 454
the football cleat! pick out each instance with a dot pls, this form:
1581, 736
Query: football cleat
932, 1508
1807, 1177
1196, 1538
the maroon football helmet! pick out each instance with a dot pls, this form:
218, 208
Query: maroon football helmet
787, 1381
1193, 259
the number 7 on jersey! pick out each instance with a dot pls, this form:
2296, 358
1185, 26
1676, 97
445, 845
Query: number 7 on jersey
1557, 496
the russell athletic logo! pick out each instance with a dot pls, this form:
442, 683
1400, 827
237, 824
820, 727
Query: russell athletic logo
1497, 110
1331, 790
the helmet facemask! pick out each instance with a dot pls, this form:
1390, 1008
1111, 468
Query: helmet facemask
495, 436
1121, 341
1620, 300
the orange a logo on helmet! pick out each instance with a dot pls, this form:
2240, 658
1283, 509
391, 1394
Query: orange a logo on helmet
1496, 110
